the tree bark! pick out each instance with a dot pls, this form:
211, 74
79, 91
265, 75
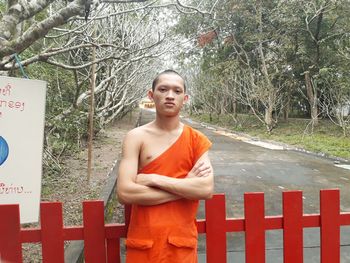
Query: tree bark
286, 108
234, 107
312, 98
270, 103
269, 121
8, 25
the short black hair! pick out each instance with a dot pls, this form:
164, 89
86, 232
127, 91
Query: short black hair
167, 71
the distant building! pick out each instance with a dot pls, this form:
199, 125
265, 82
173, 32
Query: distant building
146, 103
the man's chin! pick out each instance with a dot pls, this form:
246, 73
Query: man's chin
170, 113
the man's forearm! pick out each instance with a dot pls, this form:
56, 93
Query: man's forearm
189, 188
144, 195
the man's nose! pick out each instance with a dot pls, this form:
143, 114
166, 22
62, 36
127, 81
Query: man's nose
170, 94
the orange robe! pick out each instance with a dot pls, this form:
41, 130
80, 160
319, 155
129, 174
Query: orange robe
167, 233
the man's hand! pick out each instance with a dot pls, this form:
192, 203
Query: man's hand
198, 183
145, 179
199, 170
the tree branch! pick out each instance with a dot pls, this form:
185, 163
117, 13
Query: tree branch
39, 30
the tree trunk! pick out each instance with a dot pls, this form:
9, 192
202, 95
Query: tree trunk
312, 98
222, 108
234, 98
286, 108
268, 118
286, 111
234, 108
269, 122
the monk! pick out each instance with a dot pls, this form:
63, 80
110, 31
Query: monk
164, 171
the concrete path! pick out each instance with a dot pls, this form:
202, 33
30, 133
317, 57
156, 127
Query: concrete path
244, 167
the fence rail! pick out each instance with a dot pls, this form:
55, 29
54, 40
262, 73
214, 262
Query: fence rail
102, 241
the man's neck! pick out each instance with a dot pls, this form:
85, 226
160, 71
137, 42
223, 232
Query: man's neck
167, 123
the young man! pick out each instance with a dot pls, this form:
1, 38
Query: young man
164, 171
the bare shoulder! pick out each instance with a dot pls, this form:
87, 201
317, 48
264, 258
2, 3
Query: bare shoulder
138, 134
139, 131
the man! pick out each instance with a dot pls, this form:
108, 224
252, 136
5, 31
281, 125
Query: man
164, 171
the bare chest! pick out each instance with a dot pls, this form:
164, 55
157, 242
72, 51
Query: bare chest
154, 146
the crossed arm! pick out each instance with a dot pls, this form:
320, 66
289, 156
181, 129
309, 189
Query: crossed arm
153, 189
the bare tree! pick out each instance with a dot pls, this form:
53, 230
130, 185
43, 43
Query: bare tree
259, 87
127, 46
129, 37
335, 98
337, 107
20, 29
321, 27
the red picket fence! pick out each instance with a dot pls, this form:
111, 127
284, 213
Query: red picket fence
102, 241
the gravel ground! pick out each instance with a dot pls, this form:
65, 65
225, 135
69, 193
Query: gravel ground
71, 188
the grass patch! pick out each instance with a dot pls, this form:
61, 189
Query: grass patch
111, 208
326, 138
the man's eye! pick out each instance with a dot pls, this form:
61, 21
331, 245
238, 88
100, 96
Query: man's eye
178, 91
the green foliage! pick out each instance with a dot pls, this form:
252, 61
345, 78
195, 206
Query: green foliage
68, 133
111, 208
284, 39
2, 7
61, 86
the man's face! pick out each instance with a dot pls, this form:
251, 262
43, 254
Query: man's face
169, 94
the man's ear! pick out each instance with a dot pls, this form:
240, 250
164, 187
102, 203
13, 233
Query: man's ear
150, 94
186, 98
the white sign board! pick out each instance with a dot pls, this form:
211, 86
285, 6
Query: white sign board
22, 116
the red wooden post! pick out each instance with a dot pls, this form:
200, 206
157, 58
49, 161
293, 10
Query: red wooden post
113, 250
293, 227
10, 244
52, 232
94, 232
215, 214
127, 215
330, 226
254, 227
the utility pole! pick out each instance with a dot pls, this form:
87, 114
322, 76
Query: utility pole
92, 108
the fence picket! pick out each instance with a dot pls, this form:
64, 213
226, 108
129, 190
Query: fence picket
113, 250
254, 227
102, 242
94, 232
127, 215
293, 227
215, 215
10, 242
330, 226
52, 232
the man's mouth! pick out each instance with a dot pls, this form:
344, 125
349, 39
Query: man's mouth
169, 103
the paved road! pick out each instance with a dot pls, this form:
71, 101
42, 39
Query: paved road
242, 167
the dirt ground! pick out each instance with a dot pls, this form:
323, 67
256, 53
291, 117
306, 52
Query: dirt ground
71, 187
